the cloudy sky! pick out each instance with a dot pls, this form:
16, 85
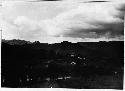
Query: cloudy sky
56, 21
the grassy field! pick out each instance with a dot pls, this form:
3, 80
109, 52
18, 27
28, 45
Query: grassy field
90, 82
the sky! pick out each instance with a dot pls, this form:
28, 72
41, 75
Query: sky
65, 20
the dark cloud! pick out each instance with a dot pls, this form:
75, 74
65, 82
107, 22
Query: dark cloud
110, 30
107, 30
97, 1
121, 10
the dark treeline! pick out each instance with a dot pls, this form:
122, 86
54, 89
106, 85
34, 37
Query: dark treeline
21, 58
20, 49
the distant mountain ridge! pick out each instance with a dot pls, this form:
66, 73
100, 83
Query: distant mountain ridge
65, 47
16, 42
22, 42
